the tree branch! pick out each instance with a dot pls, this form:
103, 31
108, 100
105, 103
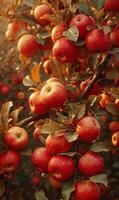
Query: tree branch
102, 66
32, 119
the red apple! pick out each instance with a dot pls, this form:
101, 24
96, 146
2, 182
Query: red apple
36, 180
27, 45
41, 12
5, 89
37, 133
10, 161
90, 164
112, 5
114, 36
82, 22
16, 138
94, 91
41, 158
17, 78
57, 32
47, 66
86, 190
88, 129
115, 139
64, 50
36, 106
97, 41
53, 94
61, 168
57, 144
114, 126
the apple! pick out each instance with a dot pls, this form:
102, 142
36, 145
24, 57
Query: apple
36, 106
97, 41
9, 161
27, 45
82, 22
5, 89
90, 164
1, 84
114, 36
17, 78
53, 94
57, 32
88, 129
115, 139
112, 5
41, 12
73, 92
105, 99
37, 133
21, 95
41, 158
16, 138
114, 126
47, 66
55, 184
86, 190
64, 50
57, 144
36, 180
94, 91
61, 168
46, 46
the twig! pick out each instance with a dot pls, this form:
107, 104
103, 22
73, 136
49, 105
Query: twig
32, 119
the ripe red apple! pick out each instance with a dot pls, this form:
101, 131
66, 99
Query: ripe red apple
112, 5
90, 164
27, 45
114, 36
21, 95
115, 139
94, 91
64, 50
41, 12
86, 190
9, 161
88, 129
16, 138
17, 78
5, 89
41, 158
53, 94
73, 92
57, 144
36, 180
37, 133
36, 106
105, 99
61, 168
114, 126
57, 32
82, 22
47, 66
97, 41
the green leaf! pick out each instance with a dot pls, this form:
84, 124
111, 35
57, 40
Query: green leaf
84, 6
72, 33
100, 178
100, 147
5, 112
67, 189
107, 29
15, 114
27, 81
112, 109
80, 111
71, 136
52, 127
68, 154
100, 4
40, 195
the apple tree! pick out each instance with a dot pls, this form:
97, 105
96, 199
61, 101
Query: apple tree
66, 144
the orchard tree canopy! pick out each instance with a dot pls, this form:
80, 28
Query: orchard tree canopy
59, 99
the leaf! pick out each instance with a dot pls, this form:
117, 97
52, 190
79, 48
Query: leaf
2, 188
51, 127
68, 154
5, 112
93, 60
100, 4
15, 114
84, 6
27, 81
40, 195
106, 29
80, 111
100, 147
100, 178
35, 73
92, 100
112, 109
67, 189
71, 136
112, 74
72, 33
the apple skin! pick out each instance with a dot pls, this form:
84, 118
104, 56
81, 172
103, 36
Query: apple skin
36, 180
55, 184
90, 164
61, 168
53, 94
40, 11
82, 22
114, 126
112, 5
5, 89
64, 50
114, 36
115, 139
16, 138
37, 134
57, 32
36, 106
86, 190
57, 144
47, 66
9, 161
105, 99
97, 41
17, 78
27, 45
88, 129
41, 158
94, 91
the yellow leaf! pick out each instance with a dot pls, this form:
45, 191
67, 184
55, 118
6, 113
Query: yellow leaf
35, 73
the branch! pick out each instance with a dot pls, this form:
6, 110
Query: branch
102, 66
32, 119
